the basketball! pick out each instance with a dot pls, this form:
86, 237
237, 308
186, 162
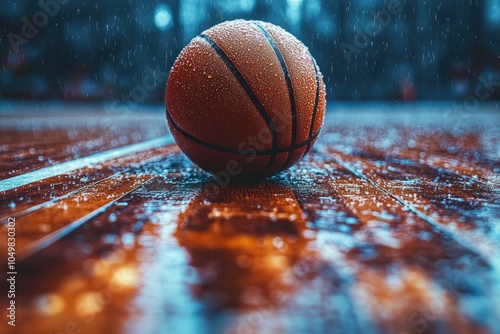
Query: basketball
245, 99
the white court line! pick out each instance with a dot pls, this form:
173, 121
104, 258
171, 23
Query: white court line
51, 238
66, 167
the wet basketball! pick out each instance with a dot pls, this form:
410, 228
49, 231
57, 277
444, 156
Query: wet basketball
245, 99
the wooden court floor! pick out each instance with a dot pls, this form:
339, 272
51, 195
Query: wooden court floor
391, 224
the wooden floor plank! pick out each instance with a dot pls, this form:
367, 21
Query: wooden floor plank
357, 250
128, 245
41, 142
263, 268
69, 213
469, 151
380, 243
464, 207
388, 225
30, 197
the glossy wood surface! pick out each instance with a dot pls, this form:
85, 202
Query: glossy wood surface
391, 224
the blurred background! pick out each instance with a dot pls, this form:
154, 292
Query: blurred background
106, 50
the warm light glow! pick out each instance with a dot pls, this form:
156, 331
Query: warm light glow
50, 304
89, 303
124, 277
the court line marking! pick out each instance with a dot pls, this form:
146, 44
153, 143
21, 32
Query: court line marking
66, 167
4, 220
55, 236
462, 240
481, 249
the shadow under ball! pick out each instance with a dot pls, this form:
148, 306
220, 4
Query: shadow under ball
245, 99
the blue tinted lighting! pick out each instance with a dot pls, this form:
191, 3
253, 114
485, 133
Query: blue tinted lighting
163, 17
493, 12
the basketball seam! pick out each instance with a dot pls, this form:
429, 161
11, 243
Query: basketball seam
253, 97
316, 104
234, 150
291, 93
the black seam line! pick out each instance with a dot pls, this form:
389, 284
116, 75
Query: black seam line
290, 90
248, 151
251, 95
316, 103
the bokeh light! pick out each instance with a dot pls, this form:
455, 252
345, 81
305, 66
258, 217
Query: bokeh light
163, 17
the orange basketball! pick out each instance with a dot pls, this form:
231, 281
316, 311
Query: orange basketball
245, 99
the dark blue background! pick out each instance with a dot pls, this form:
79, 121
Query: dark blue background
102, 50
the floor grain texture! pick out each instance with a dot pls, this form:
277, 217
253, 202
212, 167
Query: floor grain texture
391, 224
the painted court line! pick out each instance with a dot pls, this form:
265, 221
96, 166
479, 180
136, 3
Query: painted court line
53, 237
66, 167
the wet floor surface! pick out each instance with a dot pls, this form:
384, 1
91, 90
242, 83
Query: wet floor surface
390, 225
